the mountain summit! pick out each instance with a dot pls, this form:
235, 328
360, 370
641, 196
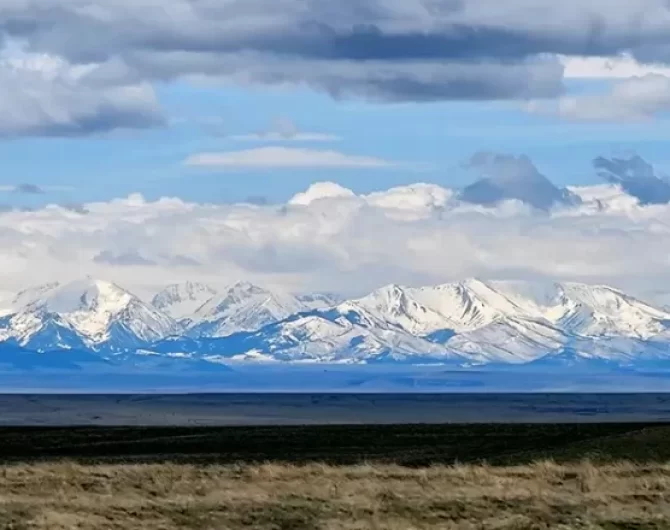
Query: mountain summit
89, 312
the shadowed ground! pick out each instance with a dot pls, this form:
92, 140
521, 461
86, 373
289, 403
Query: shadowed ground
407, 445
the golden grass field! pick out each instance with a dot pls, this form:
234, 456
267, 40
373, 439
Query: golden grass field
278, 496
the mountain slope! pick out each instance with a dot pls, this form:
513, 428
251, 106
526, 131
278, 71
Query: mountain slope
181, 300
85, 313
474, 321
317, 336
246, 307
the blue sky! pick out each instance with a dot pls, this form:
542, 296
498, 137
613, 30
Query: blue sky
432, 140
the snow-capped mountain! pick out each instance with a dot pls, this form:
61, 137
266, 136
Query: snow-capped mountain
181, 300
466, 323
316, 336
469, 322
247, 307
82, 314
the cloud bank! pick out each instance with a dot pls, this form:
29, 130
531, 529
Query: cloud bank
330, 238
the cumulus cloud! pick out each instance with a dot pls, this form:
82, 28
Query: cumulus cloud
506, 177
285, 130
330, 238
42, 95
634, 99
320, 191
286, 158
636, 176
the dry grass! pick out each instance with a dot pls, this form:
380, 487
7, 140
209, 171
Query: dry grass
282, 497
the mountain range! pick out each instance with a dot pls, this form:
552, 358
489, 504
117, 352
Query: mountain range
468, 323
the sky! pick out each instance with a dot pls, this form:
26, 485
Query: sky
306, 145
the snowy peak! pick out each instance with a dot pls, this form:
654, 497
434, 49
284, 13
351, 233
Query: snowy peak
520, 311
88, 295
96, 311
32, 294
182, 300
456, 306
600, 310
244, 307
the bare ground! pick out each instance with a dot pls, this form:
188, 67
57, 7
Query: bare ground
314, 496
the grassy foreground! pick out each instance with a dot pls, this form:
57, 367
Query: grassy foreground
315, 496
600, 476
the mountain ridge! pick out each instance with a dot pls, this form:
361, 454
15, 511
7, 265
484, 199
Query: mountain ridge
467, 323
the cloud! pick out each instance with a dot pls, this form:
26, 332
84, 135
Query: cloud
320, 191
43, 95
506, 177
618, 67
421, 51
330, 238
285, 158
123, 259
368, 30
636, 176
635, 99
415, 50
285, 130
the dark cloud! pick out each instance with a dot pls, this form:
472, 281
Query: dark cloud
51, 97
506, 177
362, 30
636, 177
385, 50
411, 50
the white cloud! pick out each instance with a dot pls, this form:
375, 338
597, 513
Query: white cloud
329, 238
634, 99
320, 191
285, 157
618, 67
